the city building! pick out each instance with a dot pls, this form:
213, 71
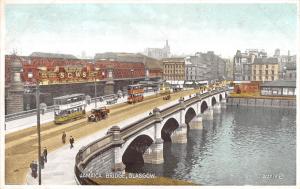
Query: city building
174, 69
159, 53
242, 63
62, 74
229, 68
265, 69
154, 66
278, 88
284, 61
205, 67
194, 69
290, 72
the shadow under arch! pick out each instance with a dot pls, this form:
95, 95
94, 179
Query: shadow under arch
169, 127
204, 106
213, 101
134, 152
189, 115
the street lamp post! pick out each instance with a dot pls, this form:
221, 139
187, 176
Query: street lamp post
131, 76
97, 69
37, 99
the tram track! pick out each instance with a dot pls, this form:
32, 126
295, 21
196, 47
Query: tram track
21, 146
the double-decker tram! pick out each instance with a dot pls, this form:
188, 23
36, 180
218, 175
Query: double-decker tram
69, 107
135, 93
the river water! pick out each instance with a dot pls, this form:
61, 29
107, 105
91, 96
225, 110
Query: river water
241, 146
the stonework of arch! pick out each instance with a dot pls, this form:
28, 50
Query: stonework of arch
133, 153
204, 106
213, 101
168, 128
189, 115
220, 97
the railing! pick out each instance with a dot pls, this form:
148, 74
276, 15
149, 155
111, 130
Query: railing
19, 115
87, 153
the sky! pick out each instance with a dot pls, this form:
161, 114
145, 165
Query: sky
189, 28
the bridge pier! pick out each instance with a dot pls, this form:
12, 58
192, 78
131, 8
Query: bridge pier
209, 114
217, 107
118, 166
223, 103
196, 123
179, 135
154, 154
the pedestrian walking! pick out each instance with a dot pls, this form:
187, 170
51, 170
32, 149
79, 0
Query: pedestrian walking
42, 161
71, 142
63, 137
45, 153
33, 167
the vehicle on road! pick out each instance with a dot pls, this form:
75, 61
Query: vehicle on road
69, 107
98, 114
135, 93
112, 101
164, 88
167, 97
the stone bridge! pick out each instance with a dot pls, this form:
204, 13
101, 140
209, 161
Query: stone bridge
142, 141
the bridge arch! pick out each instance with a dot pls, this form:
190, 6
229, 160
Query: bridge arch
169, 127
213, 101
133, 153
189, 115
203, 106
220, 97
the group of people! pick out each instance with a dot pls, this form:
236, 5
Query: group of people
34, 165
71, 140
43, 157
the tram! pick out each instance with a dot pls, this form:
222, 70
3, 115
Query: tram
135, 93
69, 107
164, 88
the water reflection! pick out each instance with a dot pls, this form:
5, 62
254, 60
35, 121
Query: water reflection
241, 146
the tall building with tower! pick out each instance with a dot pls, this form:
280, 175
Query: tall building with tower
159, 53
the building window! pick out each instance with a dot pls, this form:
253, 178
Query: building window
272, 72
260, 72
272, 78
266, 72
260, 78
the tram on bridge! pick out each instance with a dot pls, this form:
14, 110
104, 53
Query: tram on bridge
135, 93
69, 107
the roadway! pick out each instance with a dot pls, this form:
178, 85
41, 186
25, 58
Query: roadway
21, 146
30, 121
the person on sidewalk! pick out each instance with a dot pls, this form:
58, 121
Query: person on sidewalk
71, 142
33, 167
45, 153
63, 137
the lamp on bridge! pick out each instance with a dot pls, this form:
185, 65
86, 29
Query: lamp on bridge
37, 99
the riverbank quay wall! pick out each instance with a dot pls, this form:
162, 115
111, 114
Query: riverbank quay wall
109, 154
262, 102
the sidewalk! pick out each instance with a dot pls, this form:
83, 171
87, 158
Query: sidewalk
60, 166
